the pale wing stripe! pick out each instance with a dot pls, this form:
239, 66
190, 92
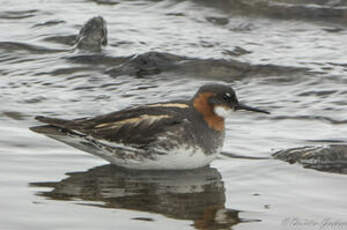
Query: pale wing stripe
134, 121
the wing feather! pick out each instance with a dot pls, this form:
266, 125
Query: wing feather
137, 126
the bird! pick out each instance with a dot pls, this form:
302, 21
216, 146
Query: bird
171, 135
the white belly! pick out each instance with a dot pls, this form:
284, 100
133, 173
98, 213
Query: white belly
178, 159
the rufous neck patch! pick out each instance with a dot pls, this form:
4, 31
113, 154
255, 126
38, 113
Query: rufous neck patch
201, 104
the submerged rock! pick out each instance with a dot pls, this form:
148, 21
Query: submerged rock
152, 63
149, 63
92, 36
331, 158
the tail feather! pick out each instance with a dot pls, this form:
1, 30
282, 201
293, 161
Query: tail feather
47, 130
54, 121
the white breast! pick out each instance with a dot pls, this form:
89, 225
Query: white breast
222, 111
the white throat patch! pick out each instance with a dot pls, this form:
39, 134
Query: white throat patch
222, 111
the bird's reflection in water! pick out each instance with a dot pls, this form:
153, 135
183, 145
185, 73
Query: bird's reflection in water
196, 195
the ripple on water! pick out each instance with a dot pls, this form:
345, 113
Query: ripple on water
49, 23
20, 14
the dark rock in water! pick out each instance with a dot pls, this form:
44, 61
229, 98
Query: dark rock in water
69, 40
331, 158
155, 60
97, 59
152, 63
149, 63
93, 34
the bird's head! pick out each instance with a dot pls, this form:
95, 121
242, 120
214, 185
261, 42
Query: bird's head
219, 100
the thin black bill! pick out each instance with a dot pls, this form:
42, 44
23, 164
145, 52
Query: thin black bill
249, 108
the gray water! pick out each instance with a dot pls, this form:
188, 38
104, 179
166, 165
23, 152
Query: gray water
293, 63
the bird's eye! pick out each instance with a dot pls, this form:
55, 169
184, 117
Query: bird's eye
227, 97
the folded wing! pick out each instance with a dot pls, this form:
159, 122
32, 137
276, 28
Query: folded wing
137, 127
